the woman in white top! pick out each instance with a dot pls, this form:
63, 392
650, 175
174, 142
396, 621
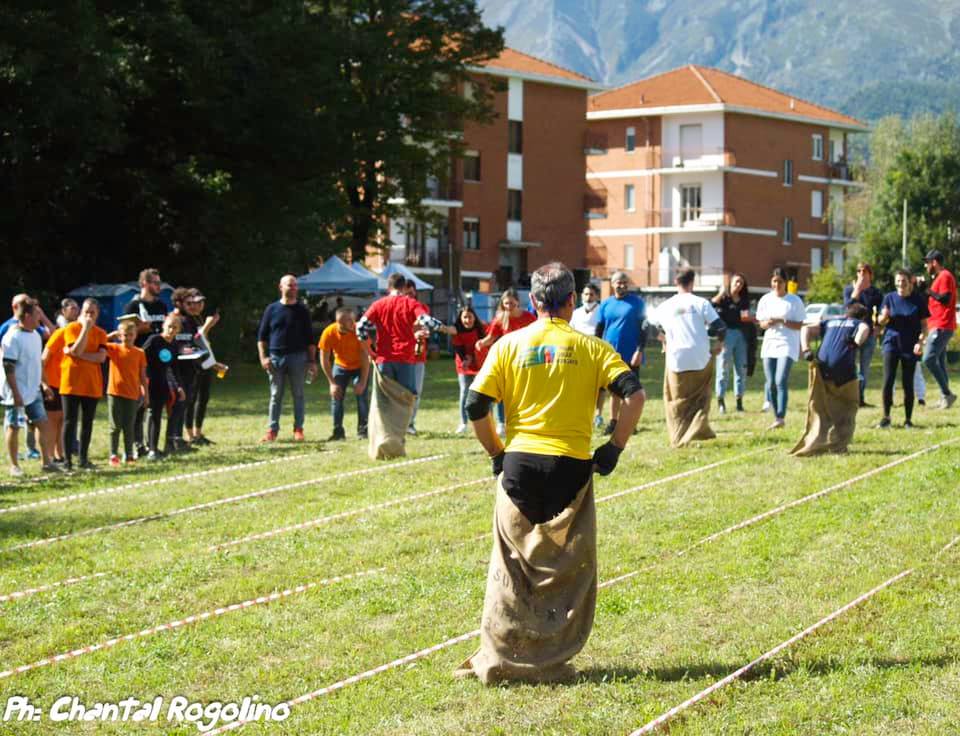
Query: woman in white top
585, 320
781, 316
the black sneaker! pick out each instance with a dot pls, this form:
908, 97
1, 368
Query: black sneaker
362, 434
884, 423
609, 429
922, 402
721, 406
740, 404
908, 424
86, 465
338, 434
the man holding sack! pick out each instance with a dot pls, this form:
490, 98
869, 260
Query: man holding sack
542, 581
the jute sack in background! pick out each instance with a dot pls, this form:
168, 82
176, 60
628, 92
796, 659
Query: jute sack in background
831, 415
686, 402
391, 406
541, 593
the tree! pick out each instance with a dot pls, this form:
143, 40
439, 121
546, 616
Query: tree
825, 286
919, 162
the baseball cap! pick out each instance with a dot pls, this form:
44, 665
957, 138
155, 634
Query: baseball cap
934, 255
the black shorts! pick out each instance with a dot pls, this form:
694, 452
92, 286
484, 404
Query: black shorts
53, 403
542, 486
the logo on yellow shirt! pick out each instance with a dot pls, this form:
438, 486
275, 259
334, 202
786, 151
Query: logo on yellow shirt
547, 355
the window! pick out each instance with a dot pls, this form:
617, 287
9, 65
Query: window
788, 173
628, 257
818, 147
816, 204
471, 166
816, 260
690, 209
787, 230
691, 141
629, 198
471, 233
690, 256
416, 244
631, 143
834, 152
514, 205
516, 137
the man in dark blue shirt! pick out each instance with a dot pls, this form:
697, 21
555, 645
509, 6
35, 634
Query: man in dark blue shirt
862, 291
287, 353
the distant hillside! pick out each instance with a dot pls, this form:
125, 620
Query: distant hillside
867, 59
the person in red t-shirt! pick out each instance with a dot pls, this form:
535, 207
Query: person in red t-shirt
399, 322
509, 318
469, 333
942, 323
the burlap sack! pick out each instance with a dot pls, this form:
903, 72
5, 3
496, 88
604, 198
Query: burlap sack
391, 406
686, 402
831, 415
541, 593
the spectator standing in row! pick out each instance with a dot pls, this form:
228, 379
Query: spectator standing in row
81, 381
69, 311
620, 323
781, 316
942, 307
469, 331
196, 409
509, 318
344, 361
150, 311
164, 389
584, 321
419, 356
21, 389
863, 292
126, 390
733, 306
288, 355
904, 315
52, 370
44, 328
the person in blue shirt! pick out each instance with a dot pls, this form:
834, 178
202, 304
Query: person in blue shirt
862, 291
904, 314
621, 323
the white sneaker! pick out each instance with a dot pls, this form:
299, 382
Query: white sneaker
778, 424
411, 430
766, 406
501, 430
16, 471
461, 429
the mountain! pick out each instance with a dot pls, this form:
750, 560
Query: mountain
866, 59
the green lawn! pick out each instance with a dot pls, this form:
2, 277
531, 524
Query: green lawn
889, 667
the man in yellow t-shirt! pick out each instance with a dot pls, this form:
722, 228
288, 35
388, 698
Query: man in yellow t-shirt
344, 361
548, 376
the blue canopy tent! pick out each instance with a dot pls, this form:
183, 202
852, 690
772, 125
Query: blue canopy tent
335, 276
113, 298
398, 268
364, 271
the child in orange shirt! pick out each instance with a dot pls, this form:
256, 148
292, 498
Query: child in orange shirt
126, 389
81, 380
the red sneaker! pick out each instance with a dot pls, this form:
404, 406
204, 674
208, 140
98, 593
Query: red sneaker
131, 461
270, 436
114, 461
298, 435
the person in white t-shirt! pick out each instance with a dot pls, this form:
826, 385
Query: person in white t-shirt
781, 316
584, 320
688, 322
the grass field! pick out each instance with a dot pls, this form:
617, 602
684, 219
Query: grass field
686, 620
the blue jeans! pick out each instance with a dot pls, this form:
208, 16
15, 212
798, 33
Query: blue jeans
292, 369
734, 354
464, 382
777, 371
403, 373
346, 378
935, 357
865, 357
419, 371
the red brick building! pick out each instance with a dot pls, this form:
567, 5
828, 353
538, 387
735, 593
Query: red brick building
516, 201
697, 167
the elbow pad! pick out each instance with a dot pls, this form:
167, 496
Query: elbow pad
477, 405
625, 385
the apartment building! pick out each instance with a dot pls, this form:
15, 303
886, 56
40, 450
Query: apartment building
700, 168
515, 201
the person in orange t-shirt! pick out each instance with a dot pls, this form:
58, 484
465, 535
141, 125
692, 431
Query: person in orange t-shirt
52, 367
126, 390
81, 380
344, 361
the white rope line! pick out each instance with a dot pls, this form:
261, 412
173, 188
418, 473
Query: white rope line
345, 514
606, 584
147, 483
196, 618
51, 586
219, 502
736, 675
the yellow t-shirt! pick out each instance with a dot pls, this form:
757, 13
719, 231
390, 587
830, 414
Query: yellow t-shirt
548, 376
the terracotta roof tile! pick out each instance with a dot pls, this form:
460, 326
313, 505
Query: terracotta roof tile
513, 60
698, 85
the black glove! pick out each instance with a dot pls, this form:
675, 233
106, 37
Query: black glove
497, 462
605, 458
809, 355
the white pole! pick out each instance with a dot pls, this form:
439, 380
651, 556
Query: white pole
903, 248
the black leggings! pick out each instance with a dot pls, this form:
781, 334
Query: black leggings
909, 365
156, 408
196, 409
73, 408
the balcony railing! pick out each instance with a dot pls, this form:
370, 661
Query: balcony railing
693, 217
594, 144
840, 170
444, 190
703, 156
595, 204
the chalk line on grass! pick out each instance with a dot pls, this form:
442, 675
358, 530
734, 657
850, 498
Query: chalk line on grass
613, 581
196, 618
669, 715
50, 586
345, 514
147, 483
218, 502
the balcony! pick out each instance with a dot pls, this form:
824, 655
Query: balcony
840, 231
705, 157
694, 218
438, 193
595, 204
594, 144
